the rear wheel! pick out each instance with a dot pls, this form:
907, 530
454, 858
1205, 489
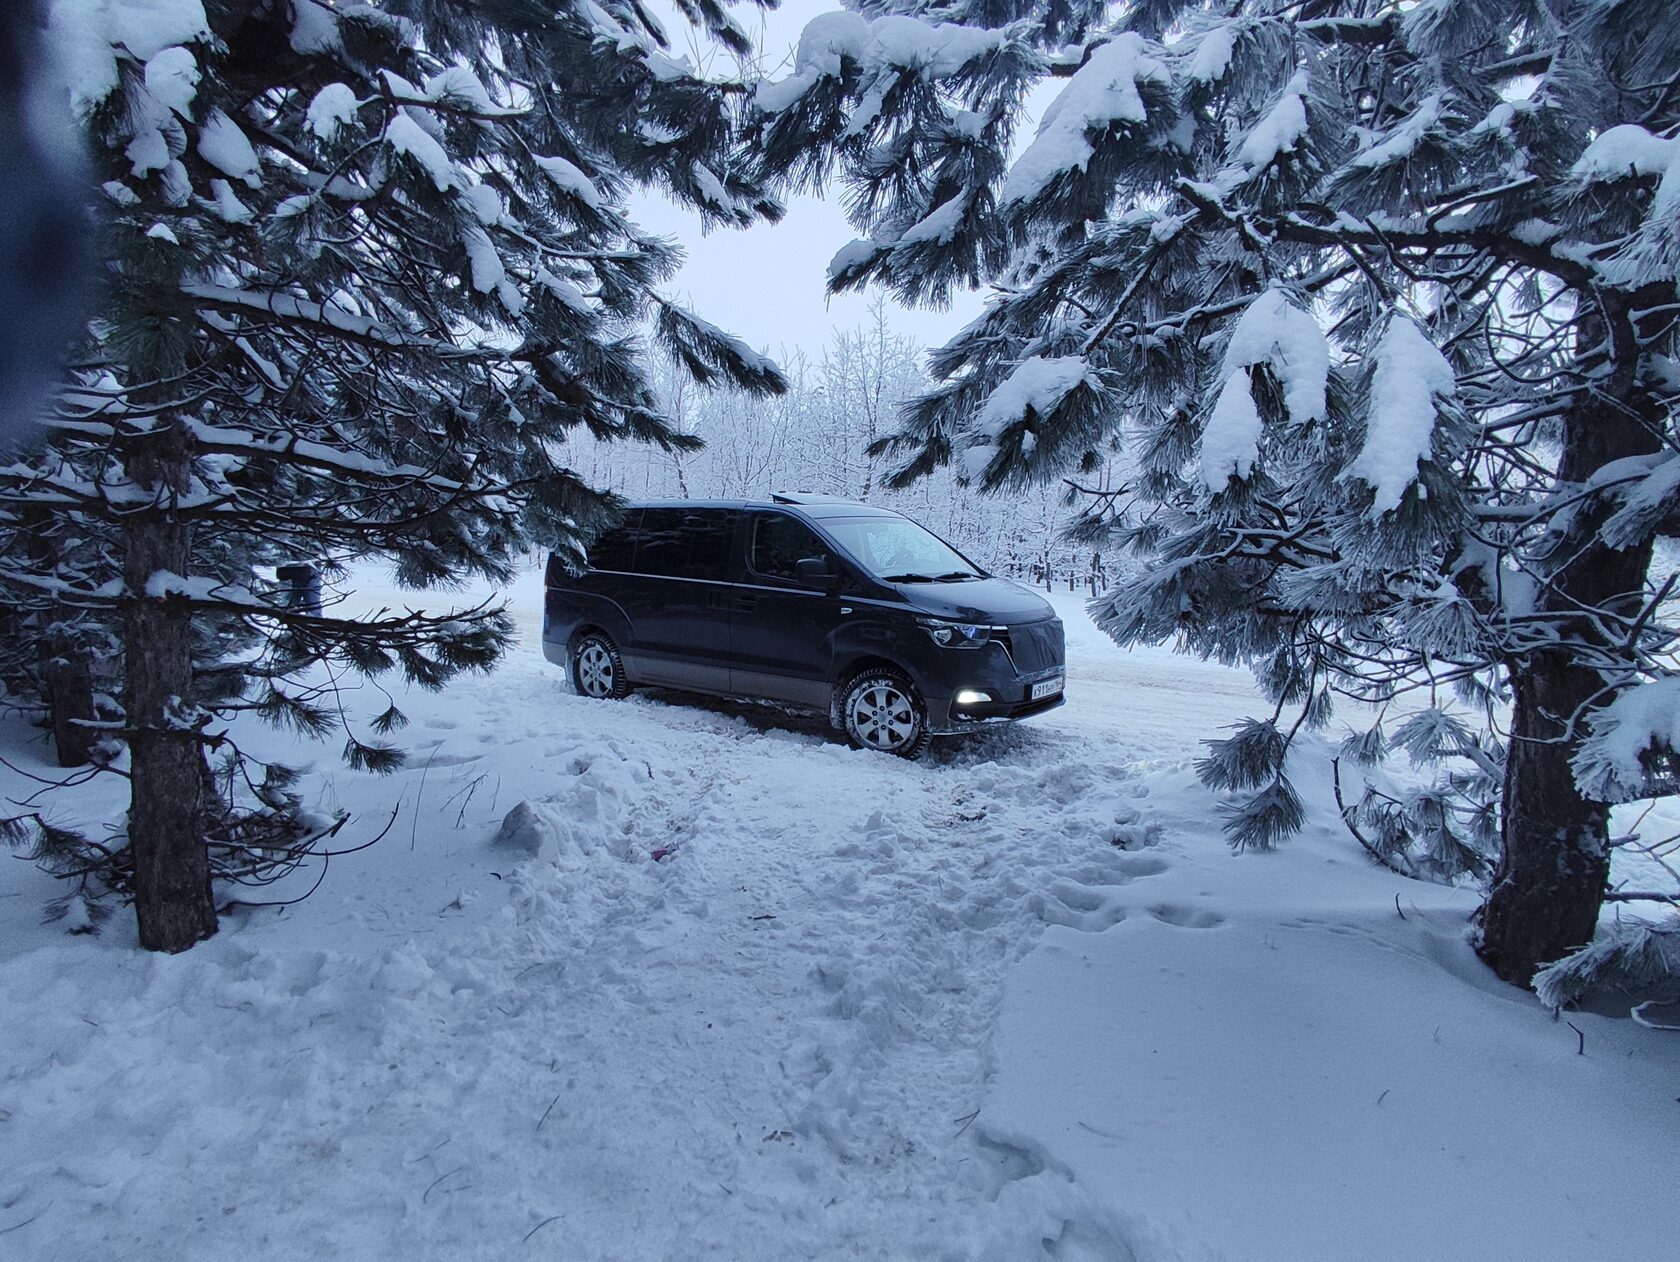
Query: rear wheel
597, 669
882, 712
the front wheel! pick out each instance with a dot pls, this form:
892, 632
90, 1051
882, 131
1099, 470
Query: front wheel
882, 712
597, 669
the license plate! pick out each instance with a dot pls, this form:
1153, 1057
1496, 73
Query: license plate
1049, 688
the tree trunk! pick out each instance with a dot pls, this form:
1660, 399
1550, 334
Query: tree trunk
172, 896
1555, 856
68, 684
66, 676
1555, 844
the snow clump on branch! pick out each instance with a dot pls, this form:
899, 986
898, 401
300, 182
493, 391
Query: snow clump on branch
1102, 93
1274, 332
1410, 376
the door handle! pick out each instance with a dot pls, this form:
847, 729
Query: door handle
745, 603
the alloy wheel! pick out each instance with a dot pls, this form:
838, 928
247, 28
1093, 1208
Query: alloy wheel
595, 669
884, 717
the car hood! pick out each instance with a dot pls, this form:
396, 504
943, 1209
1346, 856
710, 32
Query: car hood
988, 600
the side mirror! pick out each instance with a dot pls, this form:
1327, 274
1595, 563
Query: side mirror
816, 572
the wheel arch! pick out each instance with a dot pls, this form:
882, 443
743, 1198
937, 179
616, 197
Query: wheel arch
589, 628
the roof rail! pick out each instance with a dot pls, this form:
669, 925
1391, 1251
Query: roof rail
807, 497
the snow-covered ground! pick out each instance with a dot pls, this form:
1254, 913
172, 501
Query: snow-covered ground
763, 996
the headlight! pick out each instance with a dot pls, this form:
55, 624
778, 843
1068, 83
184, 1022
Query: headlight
957, 635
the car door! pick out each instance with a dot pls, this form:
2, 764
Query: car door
677, 601
781, 631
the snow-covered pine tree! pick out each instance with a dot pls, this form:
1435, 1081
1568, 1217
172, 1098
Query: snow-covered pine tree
1383, 298
366, 266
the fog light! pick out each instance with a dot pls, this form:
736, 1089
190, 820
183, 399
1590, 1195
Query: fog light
972, 696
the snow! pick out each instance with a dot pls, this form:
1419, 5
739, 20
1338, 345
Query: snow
881, 49
1273, 330
939, 49
288, 306
172, 78
487, 269
227, 203
486, 204
1402, 140
1625, 151
1231, 438
333, 106
83, 36
1411, 375
824, 42
711, 189
564, 290
1101, 94
1015, 1001
569, 179
754, 363
1282, 1072
1643, 719
1665, 206
1036, 384
940, 224
1212, 55
314, 27
147, 152
827, 39
407, 137
224, 146
460, 83
1645, 504
851, 255
1280, 129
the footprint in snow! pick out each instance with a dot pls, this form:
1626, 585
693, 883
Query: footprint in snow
1186, 917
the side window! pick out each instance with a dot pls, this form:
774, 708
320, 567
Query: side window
685, 543
616, 548
779, 542
710, 534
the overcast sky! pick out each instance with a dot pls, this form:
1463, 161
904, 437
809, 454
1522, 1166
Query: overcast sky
766, 284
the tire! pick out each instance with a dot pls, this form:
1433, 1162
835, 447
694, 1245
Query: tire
597, 669
881, 711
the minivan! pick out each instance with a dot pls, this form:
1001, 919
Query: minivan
810, 601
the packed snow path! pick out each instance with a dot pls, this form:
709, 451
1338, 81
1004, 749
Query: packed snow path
739, 1006
763, 996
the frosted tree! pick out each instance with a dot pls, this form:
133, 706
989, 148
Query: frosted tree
1382, 299
366, 267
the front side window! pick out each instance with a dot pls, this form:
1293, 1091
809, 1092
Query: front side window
685, 542
898, 550
779, 543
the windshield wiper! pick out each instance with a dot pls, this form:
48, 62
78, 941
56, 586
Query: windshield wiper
955, 576
907, 578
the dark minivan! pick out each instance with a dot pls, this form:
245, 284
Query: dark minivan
805, 600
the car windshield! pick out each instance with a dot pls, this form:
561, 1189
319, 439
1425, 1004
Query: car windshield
897, 550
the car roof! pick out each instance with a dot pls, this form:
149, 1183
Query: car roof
801, 502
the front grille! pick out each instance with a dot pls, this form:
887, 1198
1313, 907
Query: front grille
1034, 646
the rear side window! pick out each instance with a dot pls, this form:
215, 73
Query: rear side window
685, 542
616, 549
779, 542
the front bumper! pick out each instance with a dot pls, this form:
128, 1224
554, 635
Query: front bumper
946, 717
